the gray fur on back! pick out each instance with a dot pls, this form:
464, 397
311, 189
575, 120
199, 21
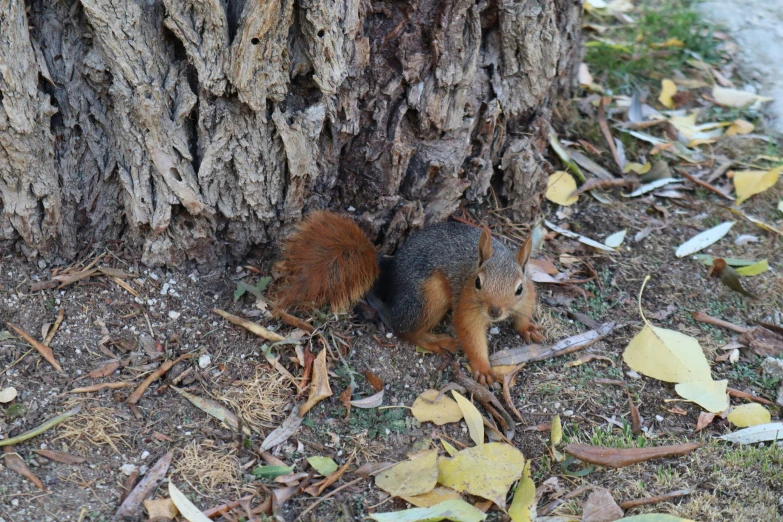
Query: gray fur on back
449, 247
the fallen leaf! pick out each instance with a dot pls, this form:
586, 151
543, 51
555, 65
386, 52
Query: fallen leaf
582, 239
373, 401
666, 355
131, 506
44, 350
733, 261
615, 240
637, 168
100, 386
319, 387
705, 419
735, 98
214, 409
636, 418
271, 472
754, 434
486, 471
744, 239
739, 127
671, 42
105, 370
451, 450
59, 456
750, 182
15, 463
323, 465
621, 457
523, 507
560, 187
188, 510
453, 510
282, 432
704, 239
375, 381
655, 517
441, 412
7, 395
49, 424
648, 187
585, 78
748, 415
251, 326
319, 487
472, 418
668, 89
161, 509
752, 270
710, 395
411, 477
431, 498
601, 507
565, 157
134, 397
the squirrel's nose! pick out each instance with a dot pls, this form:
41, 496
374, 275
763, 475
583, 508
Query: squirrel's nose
495, 312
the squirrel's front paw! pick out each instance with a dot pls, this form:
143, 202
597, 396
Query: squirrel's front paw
484, 375
531, 333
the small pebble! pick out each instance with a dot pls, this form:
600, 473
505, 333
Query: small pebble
658, 418
633, 375
145, 455
204, 360
494, 330
128, 469
174, 315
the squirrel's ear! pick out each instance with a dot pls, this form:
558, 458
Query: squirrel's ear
524, 253
485, 245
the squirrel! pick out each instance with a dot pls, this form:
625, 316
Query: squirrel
449, 266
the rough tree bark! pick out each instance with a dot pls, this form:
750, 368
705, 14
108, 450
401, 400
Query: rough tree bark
195, 130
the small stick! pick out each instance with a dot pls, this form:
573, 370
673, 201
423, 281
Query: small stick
223, 508
138, 392
705, 185
55, 327
250, 325
630, 504
44, 350
704, 318
294, 321
744, 395
608, 134
28, 352
100, 386
507, 390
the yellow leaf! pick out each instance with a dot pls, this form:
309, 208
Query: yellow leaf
748, 415
735, 98
637, 167
560, 187
453, 510
486, 471
431, 498
323, 465
740, 127
411, 477
710, 395
441, 412
319, 386
556, 432
472, 418
668, 89
666, 355
161, 509
756, 269
750, 182
523, 507
451, 450
585, 78
671, 42
780, 205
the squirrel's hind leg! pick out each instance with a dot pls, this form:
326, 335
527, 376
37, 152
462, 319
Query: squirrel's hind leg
435, 295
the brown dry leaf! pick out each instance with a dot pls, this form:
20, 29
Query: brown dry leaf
705, 418
319, 387
601, 507
375, 381
98, 387
105, 370
157, 374
636, 419
282, 432
345, 398
131, 506
44, 350
369, 469
373, 401
15, 463
59, 456
587, 358
618, 458
214, 409
318, 488
161, 509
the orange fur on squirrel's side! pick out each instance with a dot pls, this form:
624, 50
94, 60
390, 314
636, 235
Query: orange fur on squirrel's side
327, 260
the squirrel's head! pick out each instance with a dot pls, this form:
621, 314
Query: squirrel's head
500, 280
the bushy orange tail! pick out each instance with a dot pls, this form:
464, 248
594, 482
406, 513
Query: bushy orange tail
327, 260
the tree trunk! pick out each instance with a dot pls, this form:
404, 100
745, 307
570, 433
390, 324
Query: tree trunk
196, 130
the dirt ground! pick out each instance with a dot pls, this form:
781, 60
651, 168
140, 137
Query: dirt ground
172, 316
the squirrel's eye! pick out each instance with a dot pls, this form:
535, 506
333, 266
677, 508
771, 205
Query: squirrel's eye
519, 290
478, 283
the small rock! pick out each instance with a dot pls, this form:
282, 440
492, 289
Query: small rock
165, 289
568, 413
658, 418
773, 367
494, 330
128, 469
779, 400
145, 455
174, 315
204, 360
633, 375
